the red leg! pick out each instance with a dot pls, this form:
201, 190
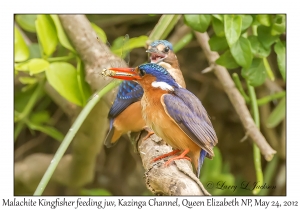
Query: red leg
150, 132
182, 156
166, 155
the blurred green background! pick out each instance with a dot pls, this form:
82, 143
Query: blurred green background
44, 56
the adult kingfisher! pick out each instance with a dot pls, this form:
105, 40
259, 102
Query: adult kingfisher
124, 114
173, 113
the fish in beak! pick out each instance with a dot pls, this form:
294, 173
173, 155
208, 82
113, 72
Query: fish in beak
121, 73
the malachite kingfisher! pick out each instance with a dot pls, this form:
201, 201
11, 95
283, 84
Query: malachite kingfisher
173, 113
124, 114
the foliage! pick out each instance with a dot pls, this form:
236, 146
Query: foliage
215, 176
52, 59
245, 42
91, 192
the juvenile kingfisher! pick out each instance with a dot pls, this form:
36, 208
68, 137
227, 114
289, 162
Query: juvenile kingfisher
173, 113
124, 114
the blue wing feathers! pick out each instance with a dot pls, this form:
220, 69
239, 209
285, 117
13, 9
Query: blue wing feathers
128, 93
187, 111
107, 141
200, 161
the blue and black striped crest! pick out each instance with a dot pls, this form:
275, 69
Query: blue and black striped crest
164, 42
159, 72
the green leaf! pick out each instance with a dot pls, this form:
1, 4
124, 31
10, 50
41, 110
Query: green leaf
233, 28
257, 48
37, 65
164, 26
62, 37
121, 46
183, 42
256, 74
63, 78
22, 66
50, 131
277, 115
85, 89
281, 54
27, 88
46, 33
255, 21
118, 46
40, 117
28, 80
217, 43
26, 22
34, 66
265, 37
264, 19
100, 33
137, 42
198, 22
35, 52
246, 21
278, 26
227, 60
21, 49
95, 192
218, 27
21, 98
217, 174
220, 17
241, 51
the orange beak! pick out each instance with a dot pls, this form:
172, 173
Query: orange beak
121, 73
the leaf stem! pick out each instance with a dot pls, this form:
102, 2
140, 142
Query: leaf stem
63, 58
164, 26
29, 106
238, 84
70, 135
269, 173
268, 69
78, 68
19, 127
254, 30
183, 42
256, 151
269, 98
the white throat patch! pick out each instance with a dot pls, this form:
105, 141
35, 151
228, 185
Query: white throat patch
162, 85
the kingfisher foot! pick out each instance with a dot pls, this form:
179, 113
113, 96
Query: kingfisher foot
166, 155
182, 156
150, 132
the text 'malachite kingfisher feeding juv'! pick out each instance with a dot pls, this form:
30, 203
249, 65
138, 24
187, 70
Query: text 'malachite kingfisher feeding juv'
124, 114
173, 113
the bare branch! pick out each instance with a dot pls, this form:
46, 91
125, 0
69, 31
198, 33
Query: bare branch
236, 99
175, 179
80, 167
77, 169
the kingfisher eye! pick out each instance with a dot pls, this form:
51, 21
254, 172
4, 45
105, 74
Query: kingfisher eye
166, 49
142, 73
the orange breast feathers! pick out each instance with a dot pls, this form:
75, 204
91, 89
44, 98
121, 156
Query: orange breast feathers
165, 127
128, 120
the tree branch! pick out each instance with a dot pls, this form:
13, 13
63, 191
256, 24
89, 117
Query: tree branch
175, 179
77, 168
236, 99
80, 167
